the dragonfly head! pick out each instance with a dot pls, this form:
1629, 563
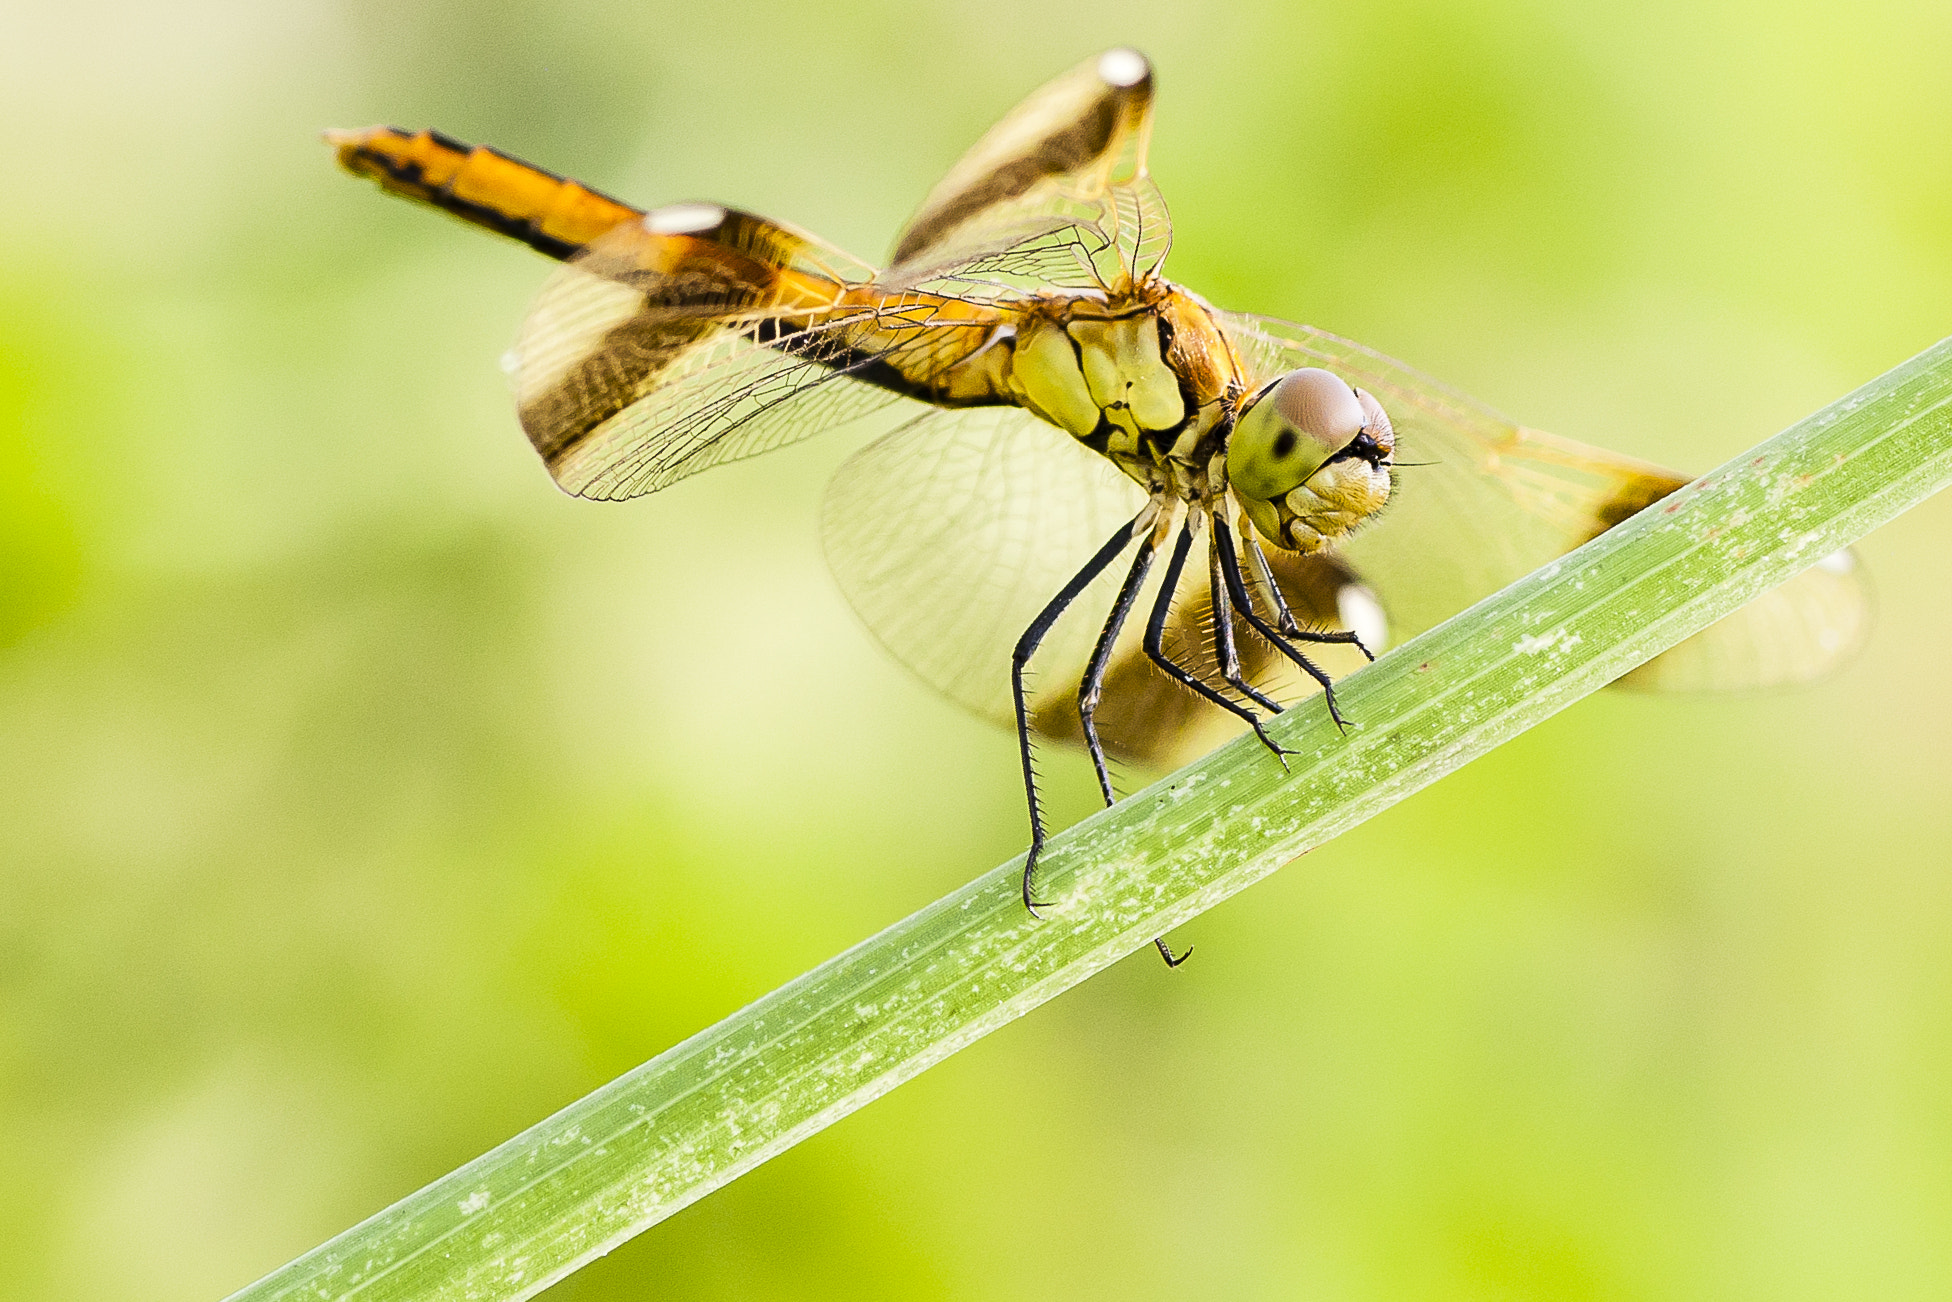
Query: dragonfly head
1310, 459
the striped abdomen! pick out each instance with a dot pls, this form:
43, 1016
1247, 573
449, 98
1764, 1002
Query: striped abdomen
478, 184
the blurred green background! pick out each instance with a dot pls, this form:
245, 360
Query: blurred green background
363, 799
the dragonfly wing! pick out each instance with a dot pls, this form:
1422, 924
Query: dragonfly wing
1056, 192
1794, 633
701, 335
1481, 501
949, 534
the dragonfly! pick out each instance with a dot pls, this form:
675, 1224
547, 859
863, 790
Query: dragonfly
1186, 519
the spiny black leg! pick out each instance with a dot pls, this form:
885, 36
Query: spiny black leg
1155, 635
1093, 685
1223, 547
1284, 617
1224, 650
1020, 658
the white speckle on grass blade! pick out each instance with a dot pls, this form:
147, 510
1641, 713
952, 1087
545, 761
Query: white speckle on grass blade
1557, 641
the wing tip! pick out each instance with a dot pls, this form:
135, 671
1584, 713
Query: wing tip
1798, 634
1124, 68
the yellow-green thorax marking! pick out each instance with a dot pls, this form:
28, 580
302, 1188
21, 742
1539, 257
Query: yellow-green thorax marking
1149, 382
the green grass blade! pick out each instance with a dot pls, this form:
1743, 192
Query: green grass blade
605, 1168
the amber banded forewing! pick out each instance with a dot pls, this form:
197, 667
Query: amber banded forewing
1056, 192
701, 335
1071, 132
690, 335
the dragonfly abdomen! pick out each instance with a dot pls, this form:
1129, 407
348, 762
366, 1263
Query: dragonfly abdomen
549, 213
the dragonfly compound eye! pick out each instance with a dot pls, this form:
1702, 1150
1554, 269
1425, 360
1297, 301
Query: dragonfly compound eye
1303, 419
1308, 461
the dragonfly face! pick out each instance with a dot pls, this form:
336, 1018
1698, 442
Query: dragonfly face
1076, 426
1311, 459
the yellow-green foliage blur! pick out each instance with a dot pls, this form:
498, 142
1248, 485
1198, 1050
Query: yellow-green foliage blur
363, 799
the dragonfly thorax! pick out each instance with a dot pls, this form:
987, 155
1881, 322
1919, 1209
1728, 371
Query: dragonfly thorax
1152, 386
1105, 381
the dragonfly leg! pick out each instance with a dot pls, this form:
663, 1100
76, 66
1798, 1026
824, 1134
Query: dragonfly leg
1092, 687
1218, 585
1020, 659
1229, 564
1285, 618
1155, 633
